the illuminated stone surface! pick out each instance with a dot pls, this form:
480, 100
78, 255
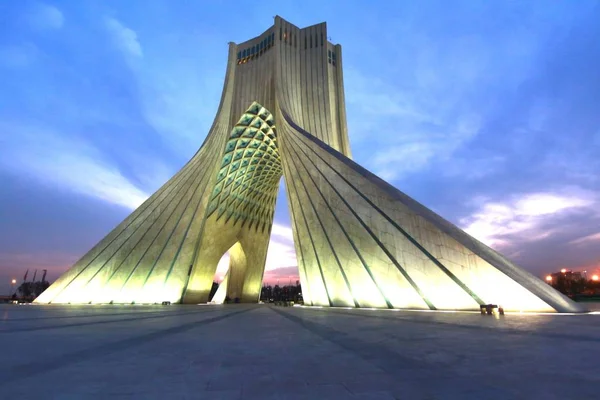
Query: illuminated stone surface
359, 241
263, 352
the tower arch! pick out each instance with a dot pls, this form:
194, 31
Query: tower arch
240, 209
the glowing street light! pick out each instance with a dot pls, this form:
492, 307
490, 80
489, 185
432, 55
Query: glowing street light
564, 270
595, 278
13, 282
549, 278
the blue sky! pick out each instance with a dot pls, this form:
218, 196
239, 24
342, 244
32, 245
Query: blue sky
488, 112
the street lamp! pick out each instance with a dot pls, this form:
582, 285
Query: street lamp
549, 278
12, 286
564, 270
595, 278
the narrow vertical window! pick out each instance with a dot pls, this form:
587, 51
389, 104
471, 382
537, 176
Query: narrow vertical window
311, 41
305, 40
280, 33
321, 39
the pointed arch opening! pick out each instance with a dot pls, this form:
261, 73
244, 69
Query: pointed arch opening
239, 211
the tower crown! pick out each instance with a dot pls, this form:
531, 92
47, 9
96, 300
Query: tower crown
297, 70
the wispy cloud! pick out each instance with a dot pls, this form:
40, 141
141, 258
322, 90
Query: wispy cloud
436, 92
589, 239
150, 172
124, 38
376, 98
281, 254
473, 167
44, 16
18, 55
69, 163
176, 100
524, 217
282, 231
411, 129
172, 103
414, 151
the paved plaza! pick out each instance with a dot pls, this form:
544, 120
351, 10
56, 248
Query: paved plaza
266, 352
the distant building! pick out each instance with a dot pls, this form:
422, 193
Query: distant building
567, 281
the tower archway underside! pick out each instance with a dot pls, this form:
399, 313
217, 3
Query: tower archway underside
240, 210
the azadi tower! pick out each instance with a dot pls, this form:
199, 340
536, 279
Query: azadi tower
359, 241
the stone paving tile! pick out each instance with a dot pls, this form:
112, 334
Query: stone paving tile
380, 395
257, 389
232, 394
224, 383
450, 388
370, 383
324, 392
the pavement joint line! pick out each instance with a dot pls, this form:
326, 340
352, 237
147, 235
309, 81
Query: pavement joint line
510, 331
451, 311
107, 321
82, 316
15, 373
391, 363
